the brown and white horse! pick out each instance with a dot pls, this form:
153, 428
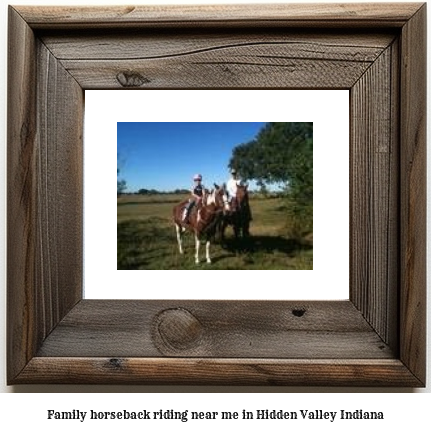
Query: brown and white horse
204, 219
239, 215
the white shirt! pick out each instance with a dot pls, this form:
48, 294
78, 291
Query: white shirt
232, 187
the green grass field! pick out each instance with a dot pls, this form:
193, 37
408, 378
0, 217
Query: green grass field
146, 239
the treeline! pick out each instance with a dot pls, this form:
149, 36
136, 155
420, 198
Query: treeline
156, 192
257, 194
282, 153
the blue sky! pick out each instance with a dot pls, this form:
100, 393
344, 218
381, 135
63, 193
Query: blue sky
165, 156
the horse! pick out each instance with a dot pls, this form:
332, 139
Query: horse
204, 220
239, 215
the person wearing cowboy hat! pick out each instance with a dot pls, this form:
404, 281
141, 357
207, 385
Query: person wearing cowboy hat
198, 194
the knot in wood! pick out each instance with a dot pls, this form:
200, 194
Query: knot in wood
298, 312
178, 329
131, 79
115, 363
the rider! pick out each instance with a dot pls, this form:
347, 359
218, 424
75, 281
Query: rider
232, 184
232, 187
198, 194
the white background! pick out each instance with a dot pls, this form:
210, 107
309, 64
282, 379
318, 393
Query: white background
402, 409
329, 279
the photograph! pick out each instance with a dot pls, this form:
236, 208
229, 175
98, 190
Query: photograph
215, 195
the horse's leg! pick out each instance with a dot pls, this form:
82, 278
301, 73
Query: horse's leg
223, 226
179, 238
207, 250
197, 244
246, 228
236, 229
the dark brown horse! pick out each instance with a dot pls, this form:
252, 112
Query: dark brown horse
239, 215
204, 219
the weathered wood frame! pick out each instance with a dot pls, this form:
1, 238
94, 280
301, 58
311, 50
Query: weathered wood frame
377, 338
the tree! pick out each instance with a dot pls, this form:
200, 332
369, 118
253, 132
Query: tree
262, 188
282, 152
121, 184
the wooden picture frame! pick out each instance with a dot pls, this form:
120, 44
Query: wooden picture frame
376, 338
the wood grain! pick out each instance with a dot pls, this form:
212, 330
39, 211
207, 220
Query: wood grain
44, 193
21, 196
413, 194
140, 44
300, 15
59, 180
208, 59
227, 329
251, 66
197, 371
376, 338
374, 192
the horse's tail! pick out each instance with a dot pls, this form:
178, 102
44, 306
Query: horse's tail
177, 212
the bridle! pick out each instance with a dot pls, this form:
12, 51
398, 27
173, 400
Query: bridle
242, 201
225, 201
219, 200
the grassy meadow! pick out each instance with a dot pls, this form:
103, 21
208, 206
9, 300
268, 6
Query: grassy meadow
146, 239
